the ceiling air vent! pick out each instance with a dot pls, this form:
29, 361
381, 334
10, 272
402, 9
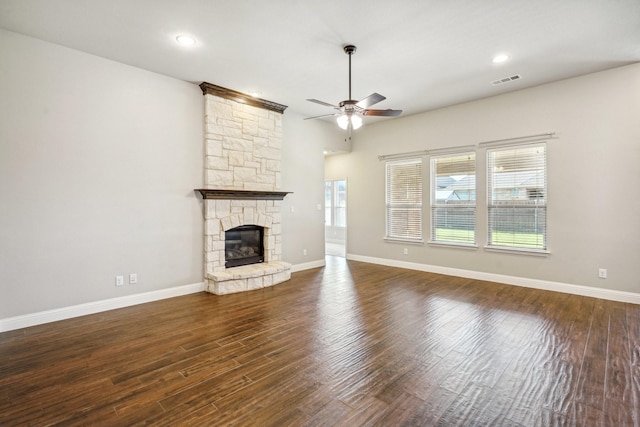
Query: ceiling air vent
506, 80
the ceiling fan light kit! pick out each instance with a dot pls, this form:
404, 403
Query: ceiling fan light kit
350, 112
344, 120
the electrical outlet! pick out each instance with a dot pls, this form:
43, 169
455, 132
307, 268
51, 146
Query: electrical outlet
602, 273
133, 278
406, 251
304, 252
119, 280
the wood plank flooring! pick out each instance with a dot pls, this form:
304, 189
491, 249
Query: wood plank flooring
351, 344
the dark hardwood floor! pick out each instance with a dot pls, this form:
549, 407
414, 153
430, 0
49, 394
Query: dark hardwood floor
350, 344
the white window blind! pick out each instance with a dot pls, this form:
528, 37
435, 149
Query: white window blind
404, 199
453, 198
517, 197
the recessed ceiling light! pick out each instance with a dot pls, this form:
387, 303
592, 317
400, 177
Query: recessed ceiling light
500, 58
186, 40
255, 93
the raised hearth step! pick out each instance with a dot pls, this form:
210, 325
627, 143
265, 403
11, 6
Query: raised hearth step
249, 271
248, 277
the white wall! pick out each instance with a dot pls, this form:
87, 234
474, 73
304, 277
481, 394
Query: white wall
303, 174
593, 175
90, 148
98, 162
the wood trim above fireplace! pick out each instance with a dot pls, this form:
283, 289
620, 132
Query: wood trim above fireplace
242, 194
243, 98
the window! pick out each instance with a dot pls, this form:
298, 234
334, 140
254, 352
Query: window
517, 197
335, 203
404, 199
453, 198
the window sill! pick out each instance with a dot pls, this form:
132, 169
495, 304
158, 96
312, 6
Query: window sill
454, 245
517, 251
404, 241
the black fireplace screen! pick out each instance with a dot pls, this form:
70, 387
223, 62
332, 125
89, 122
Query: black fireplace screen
244, 245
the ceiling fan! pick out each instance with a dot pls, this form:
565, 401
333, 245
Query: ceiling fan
350, 111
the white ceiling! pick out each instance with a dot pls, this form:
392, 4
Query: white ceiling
420, 54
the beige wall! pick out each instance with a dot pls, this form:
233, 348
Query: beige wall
593, 175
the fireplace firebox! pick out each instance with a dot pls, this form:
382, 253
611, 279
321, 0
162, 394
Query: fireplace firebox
244, 245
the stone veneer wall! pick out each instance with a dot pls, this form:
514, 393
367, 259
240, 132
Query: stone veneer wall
242, 152
243, 146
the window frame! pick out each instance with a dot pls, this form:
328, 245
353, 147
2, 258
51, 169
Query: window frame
389, 206
434, 205
540, 203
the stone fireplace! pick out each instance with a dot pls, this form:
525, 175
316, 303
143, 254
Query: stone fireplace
243, 137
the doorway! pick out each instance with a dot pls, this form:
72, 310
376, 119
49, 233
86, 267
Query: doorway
335, 217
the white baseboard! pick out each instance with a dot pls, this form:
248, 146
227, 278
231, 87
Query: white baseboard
54, 315
307, 265
24, 321
567, 288
39, 318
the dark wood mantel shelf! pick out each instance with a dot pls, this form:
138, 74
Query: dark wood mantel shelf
242, 194
243, 98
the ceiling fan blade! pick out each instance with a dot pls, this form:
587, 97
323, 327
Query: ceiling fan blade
323, 103
367, 102
384, 113
319, 117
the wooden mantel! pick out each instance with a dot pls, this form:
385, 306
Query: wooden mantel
242, 194
243, 98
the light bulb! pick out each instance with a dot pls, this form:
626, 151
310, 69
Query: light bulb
356, 121
343, 121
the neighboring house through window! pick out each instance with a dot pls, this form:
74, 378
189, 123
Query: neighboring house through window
453, 198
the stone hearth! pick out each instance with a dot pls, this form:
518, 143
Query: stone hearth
243, 138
